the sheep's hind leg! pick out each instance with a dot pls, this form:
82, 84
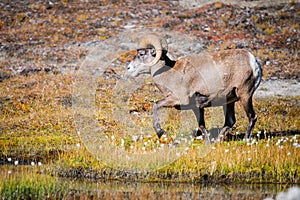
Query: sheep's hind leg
249, 110
199, 113
167, 102
229, 120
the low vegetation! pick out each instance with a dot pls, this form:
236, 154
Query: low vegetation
47, 135
40, 51
27, 184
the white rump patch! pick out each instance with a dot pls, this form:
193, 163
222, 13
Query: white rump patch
257, 72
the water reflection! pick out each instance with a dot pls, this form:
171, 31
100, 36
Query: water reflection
162, 190
113, 189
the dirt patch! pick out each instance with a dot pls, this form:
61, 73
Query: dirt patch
278, 88
250, 3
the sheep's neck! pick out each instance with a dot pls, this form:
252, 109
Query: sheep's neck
162, 66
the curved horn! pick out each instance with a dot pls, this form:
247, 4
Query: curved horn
155, 41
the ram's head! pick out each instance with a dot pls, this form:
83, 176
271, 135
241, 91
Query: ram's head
149, 52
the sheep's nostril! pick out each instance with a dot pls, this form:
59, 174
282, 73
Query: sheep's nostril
129, 67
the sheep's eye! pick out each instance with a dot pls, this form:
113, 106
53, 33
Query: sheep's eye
141, 52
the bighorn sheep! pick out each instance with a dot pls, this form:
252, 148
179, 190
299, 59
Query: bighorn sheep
194, 82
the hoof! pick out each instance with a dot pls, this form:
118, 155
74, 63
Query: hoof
196, 133
160, 132
247, 137
220, 138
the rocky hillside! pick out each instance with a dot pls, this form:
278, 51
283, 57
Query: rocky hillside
55, 36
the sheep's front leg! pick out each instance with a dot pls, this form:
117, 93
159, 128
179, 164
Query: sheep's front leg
199, 113
229, 120
167, 102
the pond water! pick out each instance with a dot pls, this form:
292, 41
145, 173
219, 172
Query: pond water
133, 190
117, 189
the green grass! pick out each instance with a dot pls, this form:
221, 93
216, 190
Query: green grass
256, 161
30, 185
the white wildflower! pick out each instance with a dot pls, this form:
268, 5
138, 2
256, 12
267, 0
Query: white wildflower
295, 144
176, 142
280, 147
295, 137
184, 139
258, 134
134, 138
141, 137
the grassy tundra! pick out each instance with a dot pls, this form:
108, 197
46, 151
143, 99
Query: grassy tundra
28, 136
39, 46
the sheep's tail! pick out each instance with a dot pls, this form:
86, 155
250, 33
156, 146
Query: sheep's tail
257, 70
259, 75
